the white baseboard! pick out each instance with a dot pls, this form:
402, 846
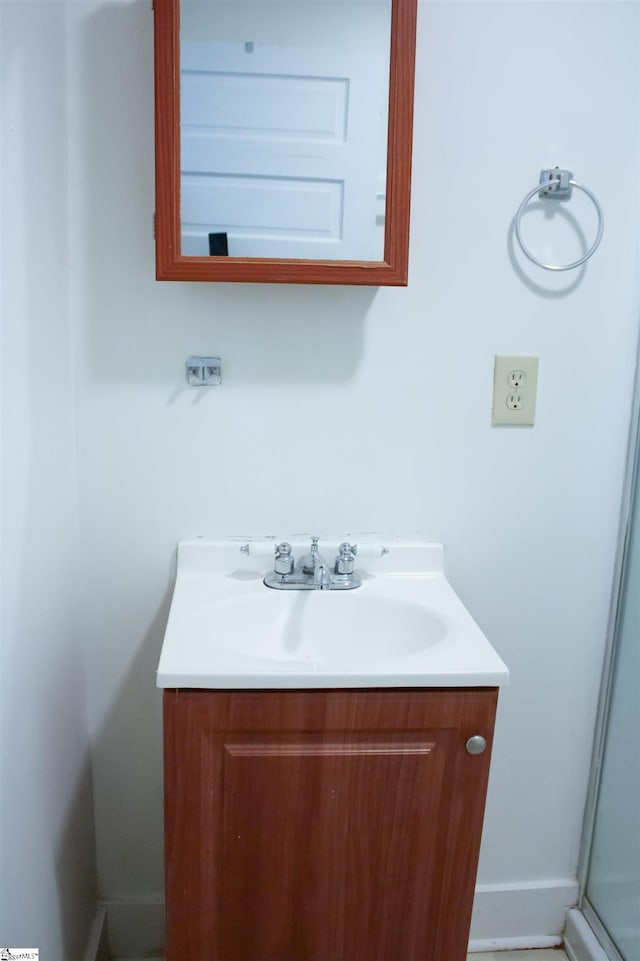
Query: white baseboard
508, 917
505, 917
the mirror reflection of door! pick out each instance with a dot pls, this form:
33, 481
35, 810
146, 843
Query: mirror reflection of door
284, 127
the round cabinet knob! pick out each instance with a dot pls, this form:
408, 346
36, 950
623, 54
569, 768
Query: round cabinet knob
476, 744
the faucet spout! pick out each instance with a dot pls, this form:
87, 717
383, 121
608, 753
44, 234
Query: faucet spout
321, 576
314, 567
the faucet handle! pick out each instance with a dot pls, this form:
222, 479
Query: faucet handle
345, 560
284, 559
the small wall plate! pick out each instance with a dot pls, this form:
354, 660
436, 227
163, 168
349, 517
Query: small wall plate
555, 182
203, 371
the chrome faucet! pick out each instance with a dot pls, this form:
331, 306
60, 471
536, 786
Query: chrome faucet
312, 571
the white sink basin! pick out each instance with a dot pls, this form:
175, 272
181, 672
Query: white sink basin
404, 626
325, 628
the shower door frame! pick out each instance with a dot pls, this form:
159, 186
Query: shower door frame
631, 480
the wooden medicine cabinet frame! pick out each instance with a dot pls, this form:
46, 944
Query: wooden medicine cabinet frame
172, 265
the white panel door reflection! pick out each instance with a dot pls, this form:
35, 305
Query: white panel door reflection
283, 151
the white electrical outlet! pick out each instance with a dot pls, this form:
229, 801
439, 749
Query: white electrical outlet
515, 382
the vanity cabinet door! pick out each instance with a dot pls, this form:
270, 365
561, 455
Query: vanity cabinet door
323, 825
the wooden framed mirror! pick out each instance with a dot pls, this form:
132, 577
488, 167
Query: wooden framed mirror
226, 260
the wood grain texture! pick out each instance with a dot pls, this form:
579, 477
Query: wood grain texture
171, 265
323, 825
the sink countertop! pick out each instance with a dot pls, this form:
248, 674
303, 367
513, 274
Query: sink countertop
404, 627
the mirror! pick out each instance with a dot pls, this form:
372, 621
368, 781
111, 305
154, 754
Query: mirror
283, 140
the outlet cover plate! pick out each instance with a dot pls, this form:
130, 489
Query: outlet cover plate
515, 386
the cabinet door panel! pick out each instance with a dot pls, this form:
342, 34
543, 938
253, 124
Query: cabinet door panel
319, 827
318, 847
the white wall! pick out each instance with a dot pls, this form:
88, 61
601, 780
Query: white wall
297, 24
48, 891
350, 409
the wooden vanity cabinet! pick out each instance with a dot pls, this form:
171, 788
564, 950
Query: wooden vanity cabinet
339, 825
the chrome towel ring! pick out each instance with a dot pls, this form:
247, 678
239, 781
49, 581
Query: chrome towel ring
558, 183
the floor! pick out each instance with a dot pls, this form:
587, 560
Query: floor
534, 954
544, 954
